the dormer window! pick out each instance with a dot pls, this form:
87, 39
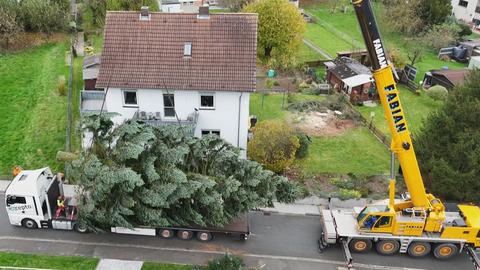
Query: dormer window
187, 49
144, 14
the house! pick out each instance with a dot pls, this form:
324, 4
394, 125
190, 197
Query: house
196, 69
352, 78
91, 66
466, 10
172, 6
445, 77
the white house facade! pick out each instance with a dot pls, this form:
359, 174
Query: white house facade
194, 70
466, 10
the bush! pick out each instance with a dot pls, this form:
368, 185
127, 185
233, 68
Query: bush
227, 262
437, 92
61, 86
9, 23
347, 194
465, 30
440, 36
305, 142
43, 16
274, 145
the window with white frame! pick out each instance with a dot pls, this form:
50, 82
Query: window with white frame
130, 98
207, 101
168, 105
187, 49
210, 132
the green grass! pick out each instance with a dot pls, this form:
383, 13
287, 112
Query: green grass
272, 106
306, 54
51, 262
325, 39
416, 108
33, 113
357, 151
163, 266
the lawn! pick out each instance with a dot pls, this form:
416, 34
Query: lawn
340, 31
416, 108
163, 266
356, 151
51, 262
33, 113
306, 54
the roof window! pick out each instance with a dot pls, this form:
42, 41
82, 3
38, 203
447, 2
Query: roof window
144, 14
187, 49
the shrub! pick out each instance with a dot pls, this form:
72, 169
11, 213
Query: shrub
346, 194
61, 86
227, 262
443, 35
304, 141
465, 30
437, 92
336, 102
274, 145
43, 16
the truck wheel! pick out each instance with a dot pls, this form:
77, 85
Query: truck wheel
419, 249
204, 236
445, 251
166, 233
184, 234
29, 223
360, 245
387, 247
80, 228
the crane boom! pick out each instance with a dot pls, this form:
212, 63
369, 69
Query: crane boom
389, 97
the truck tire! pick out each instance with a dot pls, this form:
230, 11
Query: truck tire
204, 236
29, 223
419, 249
445, 251
166, 233
387, 247
80, 228
360, 245
184, 234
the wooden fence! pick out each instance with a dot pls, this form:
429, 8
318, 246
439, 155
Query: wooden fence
368, 123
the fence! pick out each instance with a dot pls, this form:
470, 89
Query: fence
368, 123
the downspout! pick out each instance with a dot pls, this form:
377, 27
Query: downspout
238, 123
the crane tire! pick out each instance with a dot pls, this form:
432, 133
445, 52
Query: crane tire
29, 223
387, 247
419, 249
184, 234
204, 236
360, 245
445, 251
166, 233
80, 228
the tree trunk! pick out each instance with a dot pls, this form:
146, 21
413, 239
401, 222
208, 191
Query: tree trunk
268, 51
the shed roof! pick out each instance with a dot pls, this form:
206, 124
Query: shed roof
90, 61
346, 67
149, 54
456, 77
358, 80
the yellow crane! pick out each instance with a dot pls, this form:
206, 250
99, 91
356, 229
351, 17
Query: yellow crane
419, 223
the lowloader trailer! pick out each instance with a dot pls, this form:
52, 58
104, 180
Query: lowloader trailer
37, 199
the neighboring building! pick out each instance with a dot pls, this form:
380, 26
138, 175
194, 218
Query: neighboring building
352, 78
170, 6
196, 68
474, 63
466, 10
91, 66
446, 78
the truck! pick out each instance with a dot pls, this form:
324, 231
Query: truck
39, 199
417, 224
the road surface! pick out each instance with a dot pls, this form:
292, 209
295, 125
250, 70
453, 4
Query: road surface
278, 242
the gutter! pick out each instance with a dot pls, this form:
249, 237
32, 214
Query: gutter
238, 122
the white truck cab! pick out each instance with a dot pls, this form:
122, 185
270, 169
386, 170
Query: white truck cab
31, 201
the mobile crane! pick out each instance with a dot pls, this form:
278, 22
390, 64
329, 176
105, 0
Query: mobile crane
419, 223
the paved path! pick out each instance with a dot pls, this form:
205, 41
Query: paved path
317, 49
109, 264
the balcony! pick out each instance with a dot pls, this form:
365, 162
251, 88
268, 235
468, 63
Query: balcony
154, 119
91, 101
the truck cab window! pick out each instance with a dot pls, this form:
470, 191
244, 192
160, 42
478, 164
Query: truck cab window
15, 200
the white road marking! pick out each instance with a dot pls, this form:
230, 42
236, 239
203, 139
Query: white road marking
260, 256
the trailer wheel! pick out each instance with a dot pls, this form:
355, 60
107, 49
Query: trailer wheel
419, 249
80, 228
184, 234
166, 233
29, 223
445, 251
360, 245
387, 247
204, 236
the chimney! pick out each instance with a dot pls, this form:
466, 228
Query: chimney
203, 12
144, 13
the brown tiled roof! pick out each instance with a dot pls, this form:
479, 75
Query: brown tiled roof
456, 77
149, 54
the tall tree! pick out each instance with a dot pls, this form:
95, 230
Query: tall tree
135, 174
449, 144
9, 22
404, 16
435, 11
280, 30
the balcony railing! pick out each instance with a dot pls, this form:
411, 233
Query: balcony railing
91, 101
155, 119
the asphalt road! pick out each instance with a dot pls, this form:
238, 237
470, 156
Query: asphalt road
277, 242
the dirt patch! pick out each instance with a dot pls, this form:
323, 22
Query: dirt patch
322, 123
26, 40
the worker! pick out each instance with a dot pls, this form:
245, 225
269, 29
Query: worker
61, 202
370, 222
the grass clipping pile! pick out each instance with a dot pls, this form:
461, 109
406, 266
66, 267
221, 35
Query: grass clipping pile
136, 174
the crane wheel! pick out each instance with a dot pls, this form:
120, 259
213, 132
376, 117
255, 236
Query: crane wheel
445, 251
184, 234
204, 236
166, 233
29, 223
419, 249
387, 247
360, 245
